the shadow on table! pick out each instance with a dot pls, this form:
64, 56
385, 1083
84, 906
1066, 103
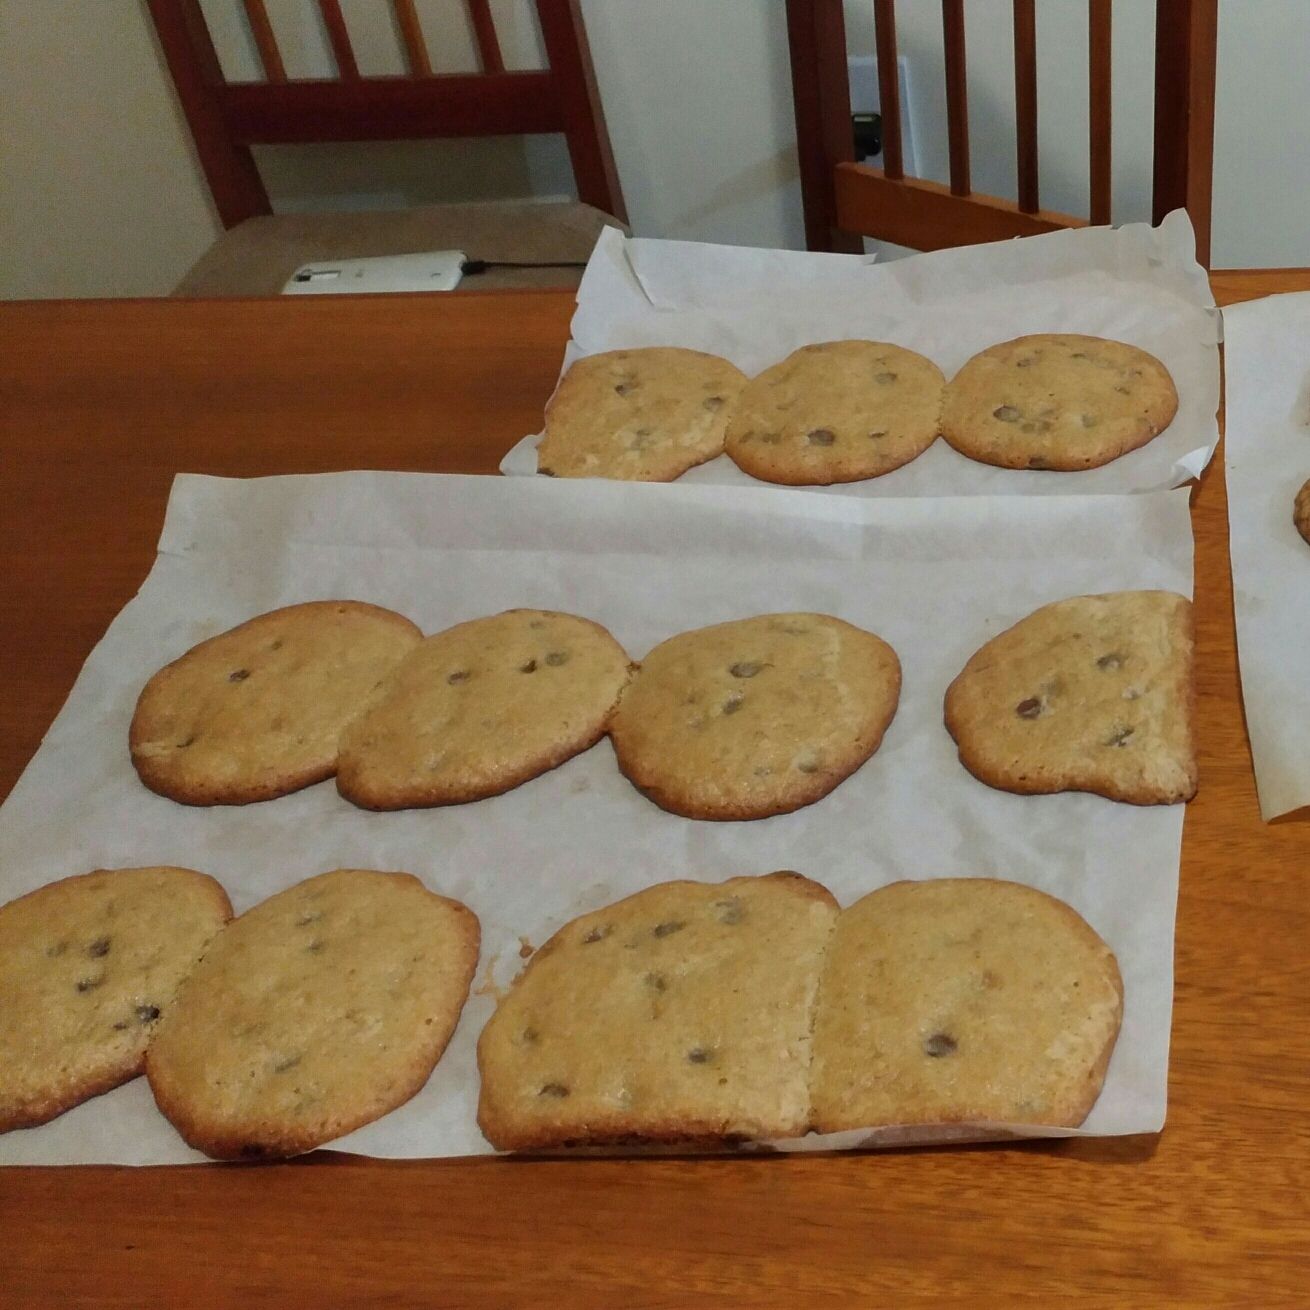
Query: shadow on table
1295, 816
1134, 1149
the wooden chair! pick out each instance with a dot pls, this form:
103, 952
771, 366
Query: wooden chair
227, 118
845, 201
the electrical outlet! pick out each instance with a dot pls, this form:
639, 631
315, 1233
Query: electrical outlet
865, 99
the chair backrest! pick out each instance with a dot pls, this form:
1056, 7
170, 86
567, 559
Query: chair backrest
844, 200
227, 118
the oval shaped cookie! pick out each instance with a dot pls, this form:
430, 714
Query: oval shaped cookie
1301, 511
87, 967
840, 411
482, 707
643, 415
963, 1000
256, 711
316, 1012
682, 1013
756, 717
1061, 402
1092, 694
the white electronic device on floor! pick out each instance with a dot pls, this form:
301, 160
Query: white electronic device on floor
436, 270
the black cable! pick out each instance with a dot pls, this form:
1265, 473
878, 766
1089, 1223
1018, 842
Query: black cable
471, 266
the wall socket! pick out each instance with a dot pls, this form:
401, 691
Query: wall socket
863, 73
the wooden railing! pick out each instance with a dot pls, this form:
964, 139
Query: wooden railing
843, 198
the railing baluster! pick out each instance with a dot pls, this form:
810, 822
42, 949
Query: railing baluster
889, 88
339, 37
411, 32
1025, 103
957, 96
484, 29
1099, 100
265, 41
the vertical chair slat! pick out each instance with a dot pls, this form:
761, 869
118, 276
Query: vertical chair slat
265, 41
229, 166
569, 58
339, 38
889, 88
1025, 103
411, 32
957, 96
1186, 39
1098, 116
484, 29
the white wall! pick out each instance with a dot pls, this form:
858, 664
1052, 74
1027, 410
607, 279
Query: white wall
1262, 135
99, 190
100, 193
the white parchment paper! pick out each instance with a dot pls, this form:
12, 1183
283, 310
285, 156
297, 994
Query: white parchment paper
935, 578
1135, 283
1267, 453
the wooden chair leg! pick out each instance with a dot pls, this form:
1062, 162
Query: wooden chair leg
1186, 41
565, 39
816, 33
229, 166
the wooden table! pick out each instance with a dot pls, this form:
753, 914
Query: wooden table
101, 403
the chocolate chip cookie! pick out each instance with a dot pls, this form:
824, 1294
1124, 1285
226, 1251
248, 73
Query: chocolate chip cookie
962, 1000
1060, 402
1301, 511
88, 966
482, 707
1094, 693
255, 712
641, 415
314, 1013
756, 717
682, 1013
840, 411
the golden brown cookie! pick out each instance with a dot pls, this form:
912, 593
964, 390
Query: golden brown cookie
642, 415
757, 717
962, 1000
1057, 402
682, 1013
839, 411
256, 711
320, 1010
1093, 693
482, 707
1301, 511
87, 967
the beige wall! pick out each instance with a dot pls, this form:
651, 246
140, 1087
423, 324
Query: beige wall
100, 193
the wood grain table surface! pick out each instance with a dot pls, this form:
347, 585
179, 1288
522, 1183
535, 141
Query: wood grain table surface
101, 403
